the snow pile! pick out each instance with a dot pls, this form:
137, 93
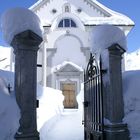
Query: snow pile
131, 90
104, 36
68, 127
5, 53
17, 20
132, 60
9, 113
8, 78
80, 98
50, 104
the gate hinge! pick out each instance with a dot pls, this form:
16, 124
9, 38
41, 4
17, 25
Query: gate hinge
37, 103
103, 71
86, 103
83, 122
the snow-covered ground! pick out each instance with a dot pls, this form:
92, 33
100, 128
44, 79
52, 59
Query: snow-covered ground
50, 115
53, 119
51, 106
131, 90
5, 58
132, 60
9, 113
68, 127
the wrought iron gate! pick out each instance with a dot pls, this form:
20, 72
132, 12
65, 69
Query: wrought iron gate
93, 101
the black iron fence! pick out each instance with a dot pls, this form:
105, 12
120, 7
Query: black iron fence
93, 101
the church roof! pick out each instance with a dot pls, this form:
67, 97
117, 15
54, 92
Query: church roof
110, 16
115, 17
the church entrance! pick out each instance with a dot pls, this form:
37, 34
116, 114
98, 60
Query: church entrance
69, 92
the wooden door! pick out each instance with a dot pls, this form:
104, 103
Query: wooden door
69, 94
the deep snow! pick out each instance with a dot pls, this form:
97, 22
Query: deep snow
132, 60
50, 113
131, 90
51, 117
5, 58
104, 36
9, 113
17, 20
68, 127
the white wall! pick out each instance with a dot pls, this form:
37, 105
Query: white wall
68, 49
47, 17
82, 35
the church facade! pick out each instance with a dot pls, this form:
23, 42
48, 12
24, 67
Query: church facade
64, 52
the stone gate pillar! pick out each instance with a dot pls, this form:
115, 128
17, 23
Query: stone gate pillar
25, 46
114, 129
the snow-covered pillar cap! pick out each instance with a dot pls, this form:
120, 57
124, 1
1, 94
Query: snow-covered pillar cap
104, 36
17, 20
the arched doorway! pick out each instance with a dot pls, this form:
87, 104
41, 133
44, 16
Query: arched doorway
68, 79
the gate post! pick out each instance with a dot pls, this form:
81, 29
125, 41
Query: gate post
25, 46
114, 128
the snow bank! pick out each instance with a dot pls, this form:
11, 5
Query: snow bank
103, 36
5, 54
50, 104
9, 113
80, 98
17, 20
132, 60
8, 78
131, 90
50, 107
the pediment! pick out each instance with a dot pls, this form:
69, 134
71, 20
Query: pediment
90, 7
93, 13
67, 67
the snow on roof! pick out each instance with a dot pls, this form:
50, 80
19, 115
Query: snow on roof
114, 18
37, 3
103, 36
60, 66
17, 20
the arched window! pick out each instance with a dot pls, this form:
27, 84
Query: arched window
67, 23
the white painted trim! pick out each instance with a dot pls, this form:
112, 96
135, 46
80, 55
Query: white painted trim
67, 15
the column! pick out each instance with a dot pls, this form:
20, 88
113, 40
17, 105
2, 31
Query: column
25, 46
113, 95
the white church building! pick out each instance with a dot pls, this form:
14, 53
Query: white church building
64, 52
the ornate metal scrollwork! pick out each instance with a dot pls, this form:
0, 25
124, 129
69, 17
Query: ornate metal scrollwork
91, 67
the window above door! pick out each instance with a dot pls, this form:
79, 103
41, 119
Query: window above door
67, 23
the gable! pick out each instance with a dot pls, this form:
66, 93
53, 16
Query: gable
88, 7
67, 67
90, 12
48, 11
